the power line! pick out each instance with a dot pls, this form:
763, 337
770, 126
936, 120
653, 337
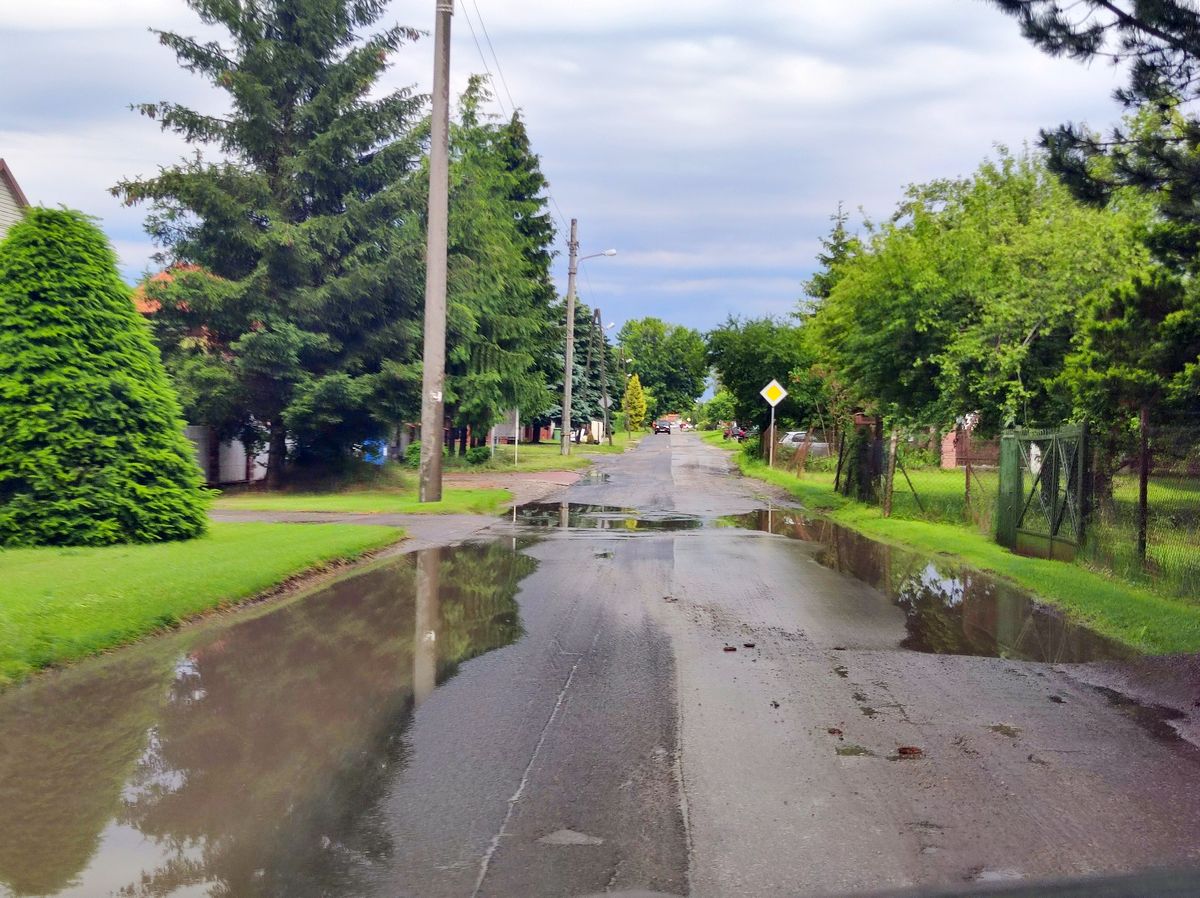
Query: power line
499, 69
483, 58
562, 218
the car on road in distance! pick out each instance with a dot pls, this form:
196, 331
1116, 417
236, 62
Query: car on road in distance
662, 427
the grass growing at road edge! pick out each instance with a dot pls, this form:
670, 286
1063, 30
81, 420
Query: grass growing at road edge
384, 501
1130, 614
63, 604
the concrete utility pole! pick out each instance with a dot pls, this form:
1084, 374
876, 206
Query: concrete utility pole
433, 379
569, 356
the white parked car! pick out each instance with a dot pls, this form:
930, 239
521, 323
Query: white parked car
795, 439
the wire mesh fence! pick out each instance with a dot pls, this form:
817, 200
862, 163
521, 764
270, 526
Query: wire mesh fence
954, 477
1145, 510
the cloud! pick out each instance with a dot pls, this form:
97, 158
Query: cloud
708, 140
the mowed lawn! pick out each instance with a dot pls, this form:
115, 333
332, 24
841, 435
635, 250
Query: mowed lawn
548, 456
59, 605
371, 501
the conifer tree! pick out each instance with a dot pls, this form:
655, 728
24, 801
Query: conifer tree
92, 450
1156, 44
309, 219
634, 403
500, 321
836, 249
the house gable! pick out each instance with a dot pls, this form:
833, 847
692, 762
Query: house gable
12, 199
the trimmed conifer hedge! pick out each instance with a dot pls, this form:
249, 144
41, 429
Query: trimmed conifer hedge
92, 450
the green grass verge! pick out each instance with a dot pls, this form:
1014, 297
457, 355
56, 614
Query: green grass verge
548, 456
64, 604
1135, 616
383, 501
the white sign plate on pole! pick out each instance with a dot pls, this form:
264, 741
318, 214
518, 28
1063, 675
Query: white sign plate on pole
774, 393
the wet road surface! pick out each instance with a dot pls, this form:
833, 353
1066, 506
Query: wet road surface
657, 683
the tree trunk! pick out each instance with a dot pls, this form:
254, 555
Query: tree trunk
463, 433
276, 455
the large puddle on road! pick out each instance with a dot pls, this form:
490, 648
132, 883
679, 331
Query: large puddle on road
578, 516
247, 757
949, 609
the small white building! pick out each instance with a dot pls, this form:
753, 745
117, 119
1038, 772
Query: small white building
12, 200
225, 462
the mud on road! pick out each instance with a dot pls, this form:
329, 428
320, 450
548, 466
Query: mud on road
653, 682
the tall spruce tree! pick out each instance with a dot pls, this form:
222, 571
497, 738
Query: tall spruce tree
92, 450
836, 250
306, 217
500, 319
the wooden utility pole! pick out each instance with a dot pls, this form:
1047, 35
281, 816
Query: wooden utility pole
433, 374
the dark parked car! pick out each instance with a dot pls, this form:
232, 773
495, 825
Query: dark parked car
662, 426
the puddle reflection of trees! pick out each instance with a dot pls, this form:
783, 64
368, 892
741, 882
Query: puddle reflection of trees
261, 770
949, 609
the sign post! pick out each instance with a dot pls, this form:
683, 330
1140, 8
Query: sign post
774, 393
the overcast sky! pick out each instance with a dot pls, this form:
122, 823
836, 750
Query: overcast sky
707, 140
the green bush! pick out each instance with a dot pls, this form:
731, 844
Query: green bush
752, 447
479, 455
92, 450
412, 455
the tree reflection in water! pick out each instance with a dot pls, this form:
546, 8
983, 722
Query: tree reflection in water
261, 771
949, 609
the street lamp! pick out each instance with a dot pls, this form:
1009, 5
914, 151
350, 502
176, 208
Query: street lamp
569, 355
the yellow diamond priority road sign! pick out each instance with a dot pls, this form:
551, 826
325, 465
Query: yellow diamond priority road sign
774, 393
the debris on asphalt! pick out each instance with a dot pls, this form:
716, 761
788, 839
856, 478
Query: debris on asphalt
841, 671
1058, 700
731, 648
670, 599
839, 648
834, 731
774, 704
854, 751
909, 751
748, 645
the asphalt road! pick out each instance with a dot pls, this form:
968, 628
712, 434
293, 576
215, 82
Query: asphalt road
597, 738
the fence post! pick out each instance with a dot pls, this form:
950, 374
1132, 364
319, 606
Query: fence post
966, 432
1143, 481
890, 473
837, 477
1011, 491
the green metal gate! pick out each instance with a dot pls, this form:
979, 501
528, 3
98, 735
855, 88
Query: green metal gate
1043, 500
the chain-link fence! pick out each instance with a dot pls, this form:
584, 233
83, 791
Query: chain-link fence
954, 477
1145, 507
939, 477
